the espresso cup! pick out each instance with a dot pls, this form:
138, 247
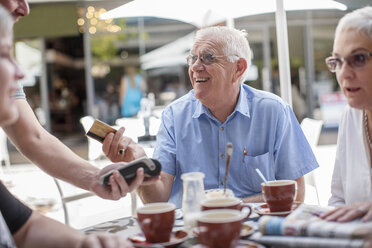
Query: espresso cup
279, 195
212, 193
156, 221
225, 203
219, 228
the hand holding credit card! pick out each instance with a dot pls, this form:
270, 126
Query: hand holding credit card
99, 130
151, 167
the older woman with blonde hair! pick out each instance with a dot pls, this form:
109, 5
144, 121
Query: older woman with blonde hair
351, 60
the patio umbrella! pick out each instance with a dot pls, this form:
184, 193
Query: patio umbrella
202, 13
171, 54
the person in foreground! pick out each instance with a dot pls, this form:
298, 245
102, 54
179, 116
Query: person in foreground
220, 109
51, 155
351, 60
27, 227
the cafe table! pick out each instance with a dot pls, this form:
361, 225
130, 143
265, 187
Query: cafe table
129, 228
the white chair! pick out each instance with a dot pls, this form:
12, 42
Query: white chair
134, 127
94, 147
312, 129
326, 156
69, 198
4, 154
157, 111
81, 208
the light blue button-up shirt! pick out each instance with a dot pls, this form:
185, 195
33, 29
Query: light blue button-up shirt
263, 130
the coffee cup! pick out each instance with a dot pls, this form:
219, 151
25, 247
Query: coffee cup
212, 193
279, 195
156, 221
225, 203
219, 228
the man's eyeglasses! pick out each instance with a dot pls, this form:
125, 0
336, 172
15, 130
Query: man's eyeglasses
354, 60
206, 59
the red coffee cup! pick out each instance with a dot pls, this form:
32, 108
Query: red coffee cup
156, 221
219, 228
279, 195
225, 203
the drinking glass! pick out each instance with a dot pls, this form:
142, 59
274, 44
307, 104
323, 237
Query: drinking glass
193, 193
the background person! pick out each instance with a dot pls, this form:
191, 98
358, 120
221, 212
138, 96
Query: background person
27, 227
132, 87
220, 109
111, 97
50, 154
351, 60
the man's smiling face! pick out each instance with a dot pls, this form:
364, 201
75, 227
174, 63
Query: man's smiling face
211, 82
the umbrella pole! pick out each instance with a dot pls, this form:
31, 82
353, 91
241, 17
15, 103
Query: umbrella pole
142, 45
230, 22
283, 52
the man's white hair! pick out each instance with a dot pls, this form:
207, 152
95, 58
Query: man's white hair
234, 43
360, 20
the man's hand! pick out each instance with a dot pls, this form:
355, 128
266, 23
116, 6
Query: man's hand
119, 148
118, 187
350, 212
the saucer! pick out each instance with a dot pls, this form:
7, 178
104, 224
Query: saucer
177, 237
211, 193
246, 230
240, 244
263, 209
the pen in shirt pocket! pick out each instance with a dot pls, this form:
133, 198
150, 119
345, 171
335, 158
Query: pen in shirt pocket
244, 153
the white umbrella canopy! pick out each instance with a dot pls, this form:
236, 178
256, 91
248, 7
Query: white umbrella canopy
202, 13
173, 53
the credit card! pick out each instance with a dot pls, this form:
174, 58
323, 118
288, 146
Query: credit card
99, 130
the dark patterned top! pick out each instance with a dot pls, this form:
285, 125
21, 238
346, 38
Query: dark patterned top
13, 215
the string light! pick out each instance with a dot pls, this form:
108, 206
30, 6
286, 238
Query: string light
81, 21
95, 25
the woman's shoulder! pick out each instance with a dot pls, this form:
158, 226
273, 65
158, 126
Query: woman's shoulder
352, 114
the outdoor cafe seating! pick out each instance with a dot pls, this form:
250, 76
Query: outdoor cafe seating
260, 230
253, 232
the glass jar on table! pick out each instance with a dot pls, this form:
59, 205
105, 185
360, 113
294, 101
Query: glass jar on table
193, 193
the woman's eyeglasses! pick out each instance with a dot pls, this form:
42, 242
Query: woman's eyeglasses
354, 60
206, 59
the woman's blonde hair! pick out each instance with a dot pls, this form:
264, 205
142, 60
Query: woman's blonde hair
360, 20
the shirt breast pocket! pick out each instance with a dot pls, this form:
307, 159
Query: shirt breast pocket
252, 181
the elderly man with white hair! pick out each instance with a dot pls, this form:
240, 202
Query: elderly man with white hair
221, 109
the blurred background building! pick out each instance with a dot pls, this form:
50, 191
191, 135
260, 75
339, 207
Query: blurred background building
74, 61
